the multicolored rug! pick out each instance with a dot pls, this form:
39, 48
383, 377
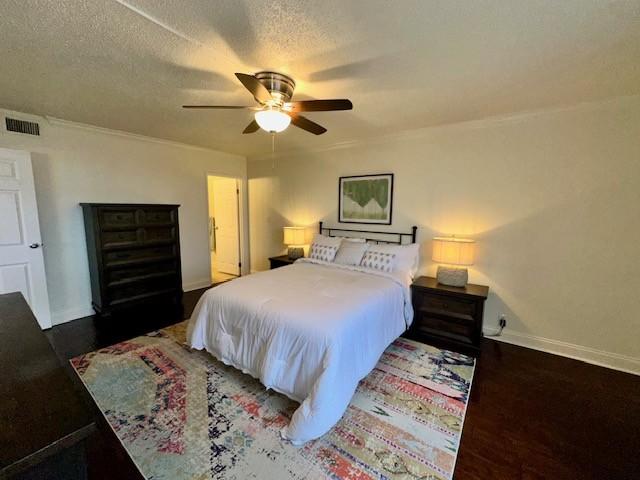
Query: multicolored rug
182, 415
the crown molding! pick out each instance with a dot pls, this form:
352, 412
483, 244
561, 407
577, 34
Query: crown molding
53, 121
476, 124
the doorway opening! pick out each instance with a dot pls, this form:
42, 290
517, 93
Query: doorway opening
224, 227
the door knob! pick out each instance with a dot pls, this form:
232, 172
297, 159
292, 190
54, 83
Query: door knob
35, 245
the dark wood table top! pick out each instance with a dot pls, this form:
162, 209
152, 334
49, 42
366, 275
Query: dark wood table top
470, 289
41, 410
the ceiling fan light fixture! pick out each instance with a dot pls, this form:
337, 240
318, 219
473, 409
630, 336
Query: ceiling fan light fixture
273, 121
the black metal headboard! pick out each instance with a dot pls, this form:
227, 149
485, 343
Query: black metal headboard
400, 235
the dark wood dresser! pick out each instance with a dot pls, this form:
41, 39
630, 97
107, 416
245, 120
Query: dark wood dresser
448, 317
44, 419
134, 254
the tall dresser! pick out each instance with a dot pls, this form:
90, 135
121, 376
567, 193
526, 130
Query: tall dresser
134, 254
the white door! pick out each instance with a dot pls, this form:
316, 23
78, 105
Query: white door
225, 214
21, 260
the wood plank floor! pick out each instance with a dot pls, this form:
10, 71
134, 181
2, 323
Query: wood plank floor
531, 415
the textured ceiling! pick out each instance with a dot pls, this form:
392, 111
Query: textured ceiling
129, 65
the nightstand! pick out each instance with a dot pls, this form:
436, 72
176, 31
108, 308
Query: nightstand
448, 317
280, 261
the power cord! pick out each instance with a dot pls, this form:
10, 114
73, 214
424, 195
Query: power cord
502, 323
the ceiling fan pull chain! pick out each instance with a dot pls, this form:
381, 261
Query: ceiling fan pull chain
273, 151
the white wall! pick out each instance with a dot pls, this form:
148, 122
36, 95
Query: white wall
73, 163
553, 199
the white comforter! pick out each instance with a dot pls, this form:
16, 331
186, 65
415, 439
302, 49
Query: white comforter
310, 330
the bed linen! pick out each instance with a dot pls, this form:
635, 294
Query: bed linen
311, 330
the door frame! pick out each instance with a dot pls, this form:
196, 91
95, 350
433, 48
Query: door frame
242, 219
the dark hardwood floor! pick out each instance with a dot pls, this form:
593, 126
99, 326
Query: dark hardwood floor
531, 415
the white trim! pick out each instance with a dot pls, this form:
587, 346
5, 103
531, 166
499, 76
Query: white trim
196, 285
53, 121
64, 316
120, 133
615, 361
475, 124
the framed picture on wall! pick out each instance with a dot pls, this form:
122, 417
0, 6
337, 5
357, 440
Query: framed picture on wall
366, 199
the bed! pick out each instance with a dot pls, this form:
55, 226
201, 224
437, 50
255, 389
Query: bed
311, 331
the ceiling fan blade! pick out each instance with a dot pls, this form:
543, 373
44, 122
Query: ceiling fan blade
306, 124
258, 90
319, 105
252, 127
217, 107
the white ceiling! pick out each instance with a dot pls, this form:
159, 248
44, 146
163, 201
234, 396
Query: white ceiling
129, 65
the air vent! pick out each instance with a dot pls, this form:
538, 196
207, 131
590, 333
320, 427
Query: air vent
22, 126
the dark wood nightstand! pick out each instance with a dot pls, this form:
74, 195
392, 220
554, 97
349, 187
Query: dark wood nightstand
448, 317
280, 261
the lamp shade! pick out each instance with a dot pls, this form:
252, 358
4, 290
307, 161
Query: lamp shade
273, 121
453, 251
294, 235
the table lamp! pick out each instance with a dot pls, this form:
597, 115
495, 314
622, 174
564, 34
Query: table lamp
294, 238
453, 251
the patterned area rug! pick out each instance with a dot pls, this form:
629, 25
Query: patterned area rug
182, 415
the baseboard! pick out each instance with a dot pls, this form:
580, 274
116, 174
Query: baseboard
70, 314
623, 363
198, 284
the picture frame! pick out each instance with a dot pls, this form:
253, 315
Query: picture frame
366, 199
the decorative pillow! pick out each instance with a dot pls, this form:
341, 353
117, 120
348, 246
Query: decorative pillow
325, 253
407, 259
350, 253
324, 248
378, 260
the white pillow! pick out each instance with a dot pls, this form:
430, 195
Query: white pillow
350, 253
376, 260
325, 253
320, 239
352, 239
407, 256
324, 248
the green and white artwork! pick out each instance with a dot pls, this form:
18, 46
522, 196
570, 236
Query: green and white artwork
366, 199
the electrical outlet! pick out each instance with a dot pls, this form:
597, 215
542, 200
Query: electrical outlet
503, 321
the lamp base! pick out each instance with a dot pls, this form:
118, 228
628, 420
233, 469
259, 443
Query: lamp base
452, 276
295, 253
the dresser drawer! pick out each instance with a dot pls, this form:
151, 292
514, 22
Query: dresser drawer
116, 218
139, 255
158, 234
135, 291
120, 238
121, 276
155, 216
436, 305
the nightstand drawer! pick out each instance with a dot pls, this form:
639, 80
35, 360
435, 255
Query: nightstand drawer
438, 327
440, 305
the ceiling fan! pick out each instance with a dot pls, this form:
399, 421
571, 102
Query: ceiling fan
273, 92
